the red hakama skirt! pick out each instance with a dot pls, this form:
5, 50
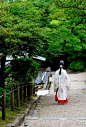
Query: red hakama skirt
61, 101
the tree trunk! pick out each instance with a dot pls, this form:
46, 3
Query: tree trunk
2, 70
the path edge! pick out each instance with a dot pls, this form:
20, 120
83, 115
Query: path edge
20, 119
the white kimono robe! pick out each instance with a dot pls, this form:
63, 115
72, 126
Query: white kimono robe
62, 83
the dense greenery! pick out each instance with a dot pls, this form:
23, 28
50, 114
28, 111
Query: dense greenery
21, 71
77, 66
74, 31
50, 28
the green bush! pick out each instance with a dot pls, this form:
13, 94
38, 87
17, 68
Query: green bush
21, 71
8, 96
77, 66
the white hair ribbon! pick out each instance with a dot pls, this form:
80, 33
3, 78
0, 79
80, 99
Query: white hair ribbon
60, 65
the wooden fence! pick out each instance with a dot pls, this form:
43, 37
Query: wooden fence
22, 92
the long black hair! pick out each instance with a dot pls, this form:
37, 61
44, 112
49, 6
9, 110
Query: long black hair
60, 71
61, 65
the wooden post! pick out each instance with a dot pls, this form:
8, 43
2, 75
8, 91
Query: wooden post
18, 98
31, 88
12, 99
25, 93
4, 105
22, 93
28, 91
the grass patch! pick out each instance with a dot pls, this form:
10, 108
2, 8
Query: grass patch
10, 115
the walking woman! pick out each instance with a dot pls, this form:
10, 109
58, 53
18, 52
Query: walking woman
61, 84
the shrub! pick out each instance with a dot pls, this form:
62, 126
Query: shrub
21, 71
77, 66
8, 96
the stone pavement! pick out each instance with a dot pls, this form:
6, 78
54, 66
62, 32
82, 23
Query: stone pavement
49, 113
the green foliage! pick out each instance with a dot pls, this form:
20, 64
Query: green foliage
22, 70
50, 28
10, 82
20, 27
77, 66
8, 96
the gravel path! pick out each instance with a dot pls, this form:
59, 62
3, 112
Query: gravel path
49, 113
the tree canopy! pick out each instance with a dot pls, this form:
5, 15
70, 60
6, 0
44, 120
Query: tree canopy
50, 28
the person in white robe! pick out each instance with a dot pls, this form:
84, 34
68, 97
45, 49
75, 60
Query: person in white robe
61, 84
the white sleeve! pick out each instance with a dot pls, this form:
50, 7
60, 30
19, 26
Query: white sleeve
56, 81
67, 81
